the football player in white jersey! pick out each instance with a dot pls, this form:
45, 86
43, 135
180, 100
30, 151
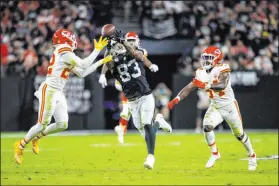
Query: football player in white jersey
214, 78
52, 101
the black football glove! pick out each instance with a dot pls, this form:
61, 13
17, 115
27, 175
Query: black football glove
117, 33
118, 39
114, 35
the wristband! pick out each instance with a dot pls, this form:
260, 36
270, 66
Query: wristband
178, 97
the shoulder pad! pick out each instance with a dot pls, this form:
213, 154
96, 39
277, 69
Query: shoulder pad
199, 70
201, 74
224, 68
142, 50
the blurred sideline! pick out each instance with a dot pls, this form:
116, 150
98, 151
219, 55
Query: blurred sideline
108, 132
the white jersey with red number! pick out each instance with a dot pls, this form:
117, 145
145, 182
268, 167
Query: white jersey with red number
59, 69
218, 98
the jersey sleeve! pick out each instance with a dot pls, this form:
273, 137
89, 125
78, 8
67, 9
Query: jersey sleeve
144, 51
224, 68
82, 72
198, 72
78, 71
72, 59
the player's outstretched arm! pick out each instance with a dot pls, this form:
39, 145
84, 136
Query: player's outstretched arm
148, 64
182, 95
222, 82
81, 72
219, 84
104, 69
102, 78
133, 52
72, 59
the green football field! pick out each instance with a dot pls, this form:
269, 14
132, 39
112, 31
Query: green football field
99, 159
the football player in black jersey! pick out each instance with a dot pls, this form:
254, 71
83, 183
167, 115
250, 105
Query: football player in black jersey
128, 67
125, 113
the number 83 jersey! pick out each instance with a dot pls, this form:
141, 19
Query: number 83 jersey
130, 72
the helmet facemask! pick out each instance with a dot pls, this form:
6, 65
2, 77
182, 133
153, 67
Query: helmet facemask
208, 61
134, 42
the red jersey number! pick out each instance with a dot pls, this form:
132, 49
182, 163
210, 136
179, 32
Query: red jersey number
51, 63
212, 92
65, 73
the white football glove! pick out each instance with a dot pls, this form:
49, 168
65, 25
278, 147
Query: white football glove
154, 68
103, 80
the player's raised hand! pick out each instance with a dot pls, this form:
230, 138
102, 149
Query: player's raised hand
154, 68
103, 80
173, 102
199, 84
101, 43
107, 59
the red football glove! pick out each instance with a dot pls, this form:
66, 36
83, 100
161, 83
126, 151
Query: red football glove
173, 102
199, 84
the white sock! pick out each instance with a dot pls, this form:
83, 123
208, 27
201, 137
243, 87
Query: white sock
210, 139
247, 144
34, 131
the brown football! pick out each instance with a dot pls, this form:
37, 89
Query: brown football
108, 30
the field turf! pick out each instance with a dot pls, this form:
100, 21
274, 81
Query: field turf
99, 159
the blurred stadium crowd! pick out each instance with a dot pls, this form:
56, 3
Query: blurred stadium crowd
27, 28
246, 31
